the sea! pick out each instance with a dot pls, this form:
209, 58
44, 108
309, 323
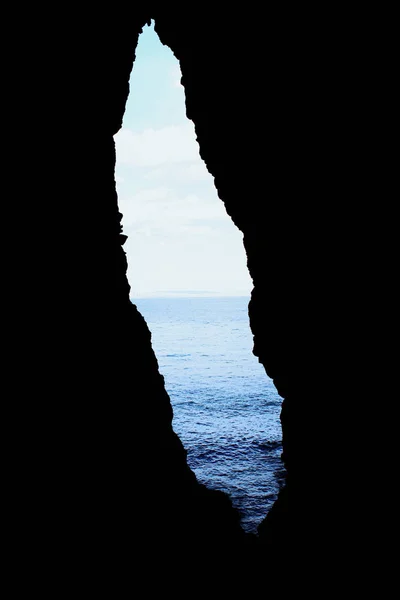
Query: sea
226, 409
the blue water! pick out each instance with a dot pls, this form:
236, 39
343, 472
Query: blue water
226, 409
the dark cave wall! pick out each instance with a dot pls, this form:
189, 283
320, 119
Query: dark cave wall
104, 475
255, 92
139, 465
256, 99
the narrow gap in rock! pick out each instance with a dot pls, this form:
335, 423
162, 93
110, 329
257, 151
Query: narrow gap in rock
188, 276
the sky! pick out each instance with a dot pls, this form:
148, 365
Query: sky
181, 241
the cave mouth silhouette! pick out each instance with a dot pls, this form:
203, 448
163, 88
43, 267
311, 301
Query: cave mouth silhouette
168, 199
89, 439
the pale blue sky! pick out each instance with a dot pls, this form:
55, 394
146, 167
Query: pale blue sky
180, 238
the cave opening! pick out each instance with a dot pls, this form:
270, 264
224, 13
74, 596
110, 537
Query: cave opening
188, 276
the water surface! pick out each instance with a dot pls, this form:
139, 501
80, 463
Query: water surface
226, 409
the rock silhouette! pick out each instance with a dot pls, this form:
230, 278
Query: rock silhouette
103, 491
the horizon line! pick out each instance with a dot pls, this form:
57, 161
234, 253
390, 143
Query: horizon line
190, 295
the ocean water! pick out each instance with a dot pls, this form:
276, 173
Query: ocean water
226, 409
